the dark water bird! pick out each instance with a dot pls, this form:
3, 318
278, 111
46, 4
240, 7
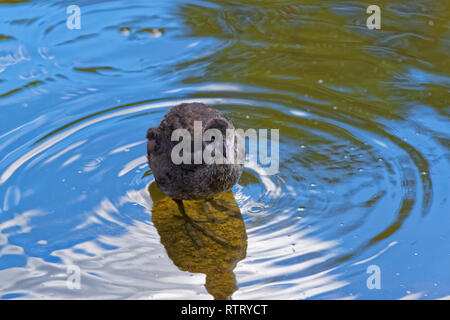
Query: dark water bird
192, 180
222, 215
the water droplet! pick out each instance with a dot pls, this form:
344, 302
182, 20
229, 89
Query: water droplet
320, 81
247, 117
341, 224
313, 185
397, 274
416, 253
303, 146
431, 23
255, 209
335, 108
408, 292
301, 209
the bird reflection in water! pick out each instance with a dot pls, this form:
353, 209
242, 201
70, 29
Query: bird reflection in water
193, 250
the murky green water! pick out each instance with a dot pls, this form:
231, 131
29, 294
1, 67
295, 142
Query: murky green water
364, 147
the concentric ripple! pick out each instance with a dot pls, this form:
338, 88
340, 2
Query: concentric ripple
363, 177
